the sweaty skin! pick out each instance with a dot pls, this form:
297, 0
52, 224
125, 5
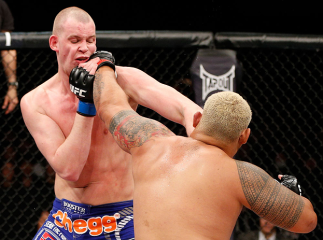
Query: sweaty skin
56, 115
90, 167
188, 187
195, 177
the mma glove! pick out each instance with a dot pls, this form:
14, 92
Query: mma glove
291, 183
106, 59
81, 84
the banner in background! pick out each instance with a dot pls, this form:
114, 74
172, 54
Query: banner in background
214, 71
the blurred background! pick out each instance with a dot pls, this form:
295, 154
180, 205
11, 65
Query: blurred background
279, 16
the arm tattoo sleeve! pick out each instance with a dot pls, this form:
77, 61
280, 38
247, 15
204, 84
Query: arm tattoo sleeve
130, 130
268, 198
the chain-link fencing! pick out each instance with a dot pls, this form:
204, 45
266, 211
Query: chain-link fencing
283, 87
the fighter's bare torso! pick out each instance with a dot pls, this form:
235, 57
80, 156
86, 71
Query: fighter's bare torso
106, 176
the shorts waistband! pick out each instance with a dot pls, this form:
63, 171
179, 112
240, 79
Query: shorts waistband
81, 208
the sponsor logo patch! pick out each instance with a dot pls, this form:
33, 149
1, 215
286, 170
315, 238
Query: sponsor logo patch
95, 225
212, 82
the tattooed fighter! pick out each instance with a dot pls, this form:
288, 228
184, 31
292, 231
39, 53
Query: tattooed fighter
191, 187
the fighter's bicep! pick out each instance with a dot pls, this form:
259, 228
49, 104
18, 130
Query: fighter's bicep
130, 130
268, 198
46, 133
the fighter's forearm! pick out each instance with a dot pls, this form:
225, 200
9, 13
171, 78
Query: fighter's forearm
187, 110
173, 105
9, 63
163, 99
108, 96
71, 156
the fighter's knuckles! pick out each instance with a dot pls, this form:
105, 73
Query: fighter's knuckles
94, 60
105, 59
75, 74
89, 79
291, 182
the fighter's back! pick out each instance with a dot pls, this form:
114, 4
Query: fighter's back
192, 188
180, 184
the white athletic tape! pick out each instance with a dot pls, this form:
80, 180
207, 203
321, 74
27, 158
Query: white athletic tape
8, 38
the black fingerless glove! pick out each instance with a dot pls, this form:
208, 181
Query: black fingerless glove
81, 84
291, 183
106, 59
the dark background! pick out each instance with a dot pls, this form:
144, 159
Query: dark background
291, 17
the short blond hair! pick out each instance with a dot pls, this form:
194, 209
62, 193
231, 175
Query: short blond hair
70, 12
225, 116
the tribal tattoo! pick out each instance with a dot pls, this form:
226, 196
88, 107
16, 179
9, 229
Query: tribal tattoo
268, 198
131, 130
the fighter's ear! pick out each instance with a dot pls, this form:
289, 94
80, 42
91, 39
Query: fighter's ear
196, 118
53, 43
244, 136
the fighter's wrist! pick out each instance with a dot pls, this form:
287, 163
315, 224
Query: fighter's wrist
13, 84
105, 62
86, 109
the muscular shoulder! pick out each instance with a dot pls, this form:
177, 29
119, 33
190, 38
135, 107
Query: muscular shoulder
31, 105
131, 130
248, 170
253, 179
38, 99
267, 198
33, 99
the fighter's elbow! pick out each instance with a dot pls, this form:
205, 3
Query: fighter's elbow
311, 225
71, 176
305, 226
311, 222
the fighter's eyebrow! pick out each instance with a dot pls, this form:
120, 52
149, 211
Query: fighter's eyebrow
79, 37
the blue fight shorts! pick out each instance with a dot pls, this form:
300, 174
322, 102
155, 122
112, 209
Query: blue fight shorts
70, 220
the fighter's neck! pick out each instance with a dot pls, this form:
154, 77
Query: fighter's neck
63, 79
227, 148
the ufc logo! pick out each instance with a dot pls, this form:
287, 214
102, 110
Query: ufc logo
77, 91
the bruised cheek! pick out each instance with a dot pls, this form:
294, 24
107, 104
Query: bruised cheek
67, 59
67, 50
